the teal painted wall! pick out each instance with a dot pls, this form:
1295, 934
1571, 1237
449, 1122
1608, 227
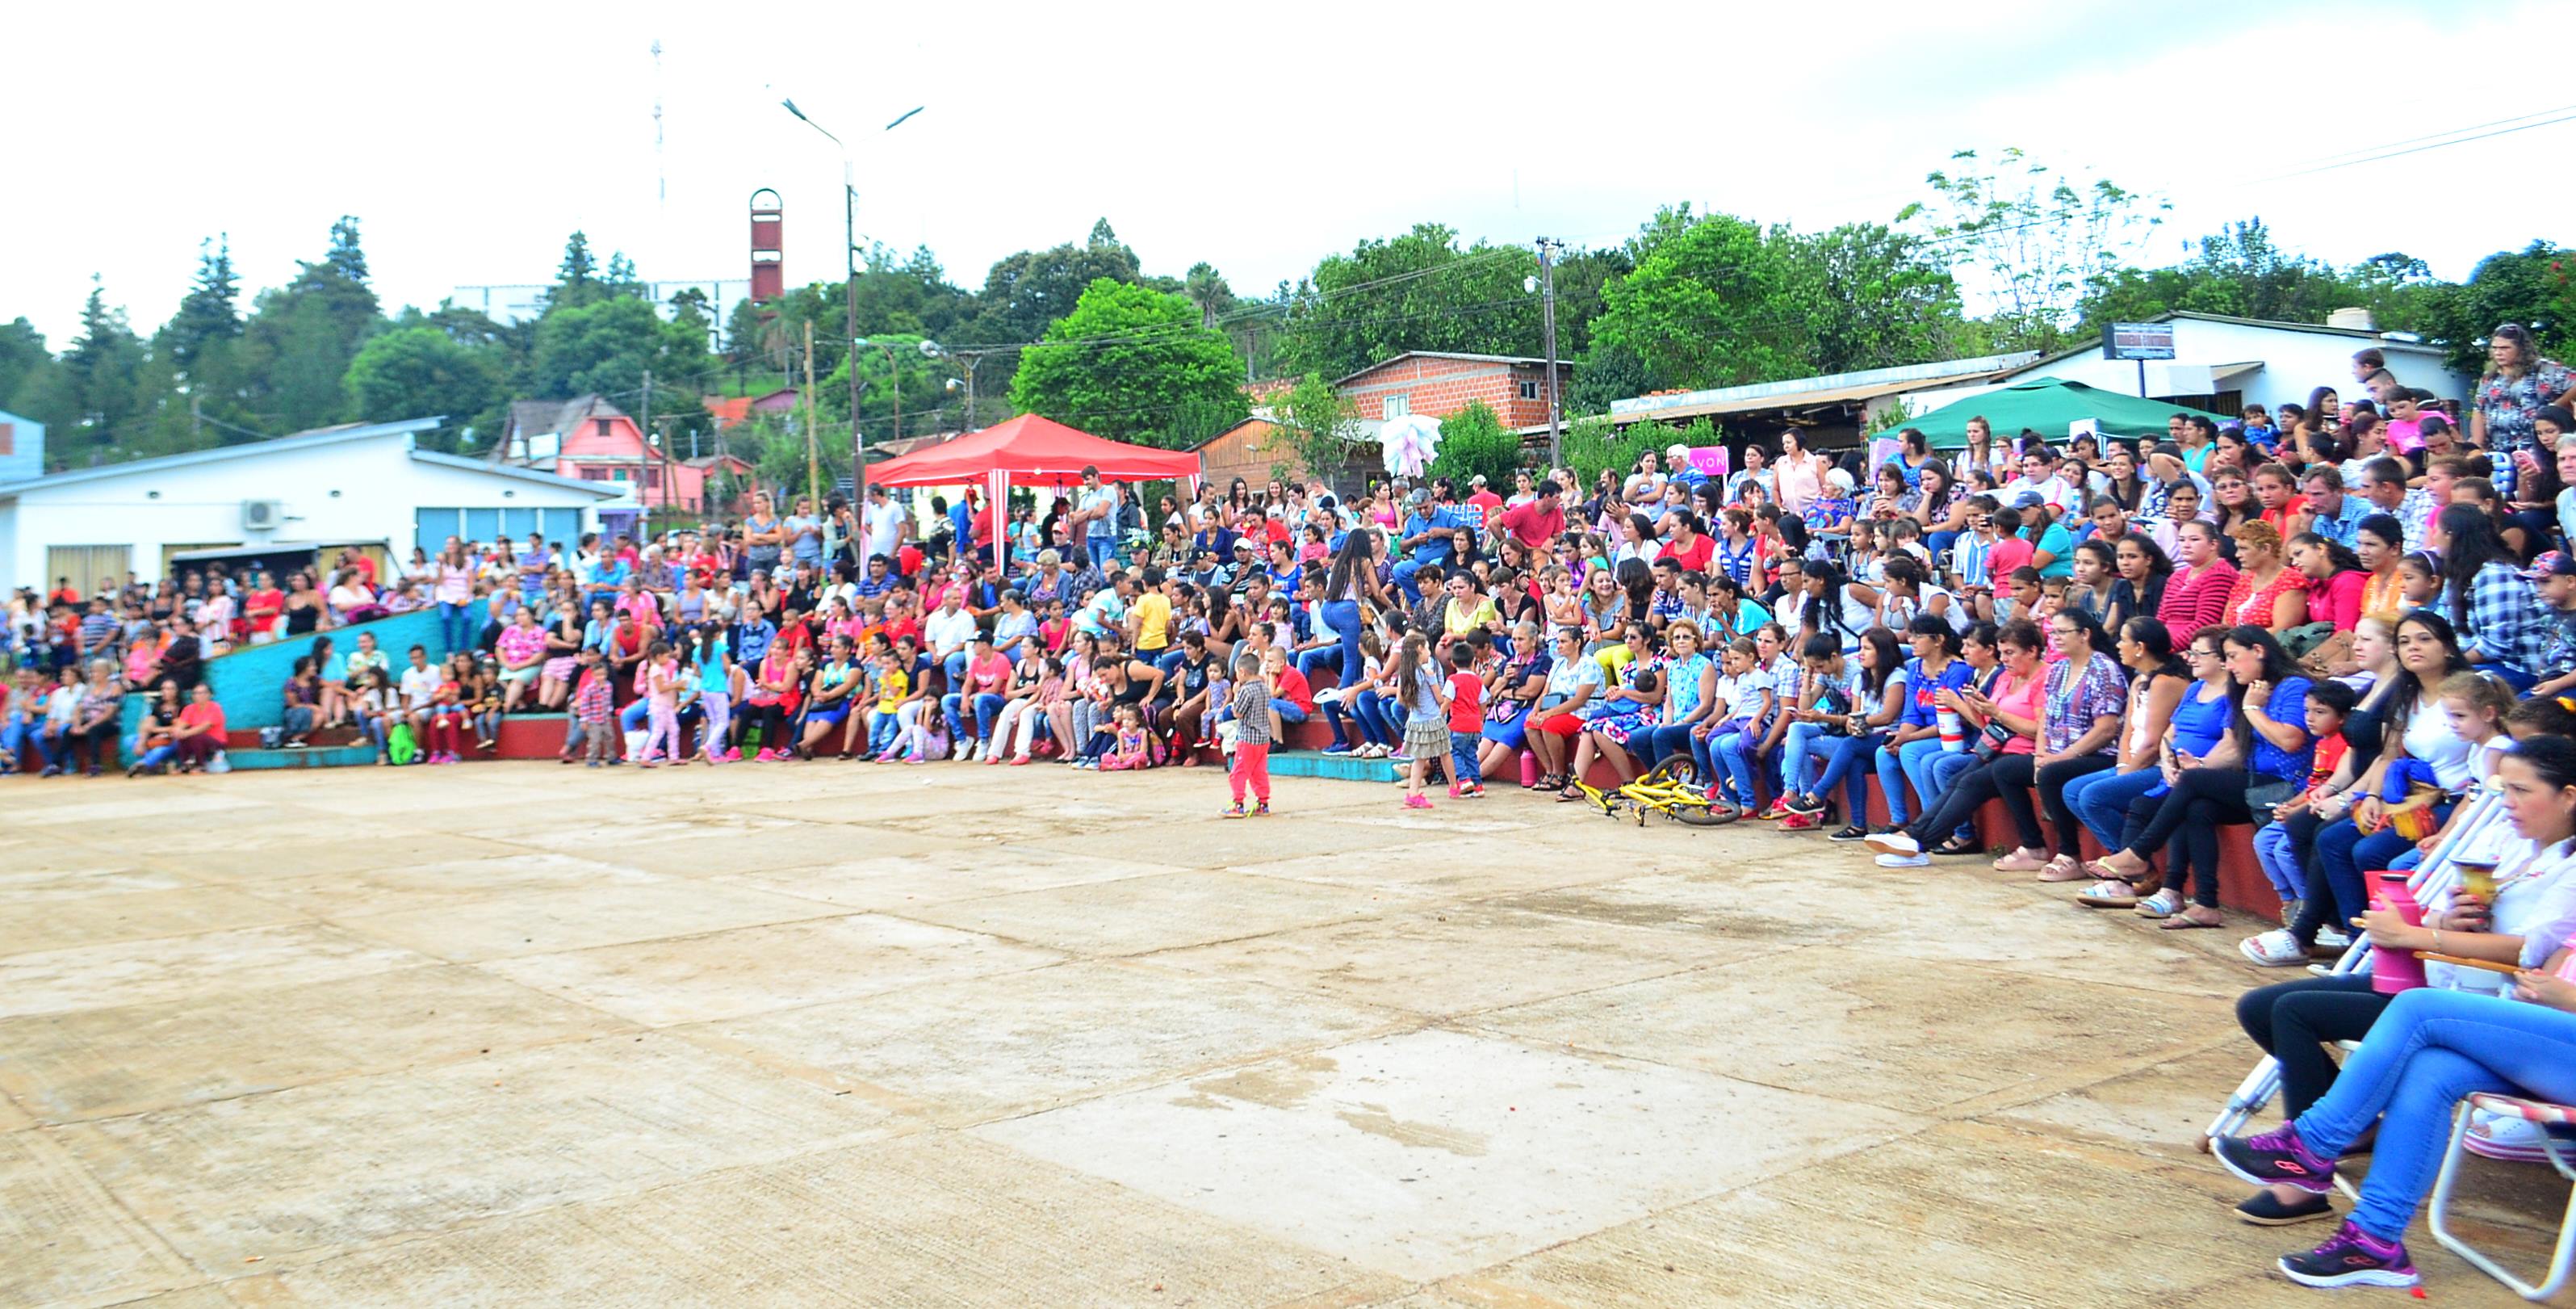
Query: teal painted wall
250, 683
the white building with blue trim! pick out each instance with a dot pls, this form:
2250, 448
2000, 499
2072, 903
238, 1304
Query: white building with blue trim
357, 483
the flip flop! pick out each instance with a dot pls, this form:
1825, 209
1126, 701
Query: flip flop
2109, 893
2181, 920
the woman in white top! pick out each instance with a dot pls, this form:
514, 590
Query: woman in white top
1799, 475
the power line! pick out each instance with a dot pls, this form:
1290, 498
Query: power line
2419, 149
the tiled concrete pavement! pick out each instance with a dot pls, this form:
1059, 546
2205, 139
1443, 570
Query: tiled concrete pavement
509, 1034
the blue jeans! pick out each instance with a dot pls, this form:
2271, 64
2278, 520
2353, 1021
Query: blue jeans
1656, 744
1734, 754
2428, 1050
26, 742
1343, 616
1368, 709
1377, 718
2101, 801
635, 717
1898, 765
1850, 766
1103, 551
1309, 660
1804, 741
1404, 575
2280, 860
883, 730
1464, 770
454, 627
953, 705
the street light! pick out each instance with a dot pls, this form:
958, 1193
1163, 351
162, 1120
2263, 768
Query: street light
850, 283
972, 358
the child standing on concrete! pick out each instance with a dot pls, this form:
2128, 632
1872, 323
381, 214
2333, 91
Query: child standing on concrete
1426, 725
1466, 723
1250, 769
594, 706
662, 698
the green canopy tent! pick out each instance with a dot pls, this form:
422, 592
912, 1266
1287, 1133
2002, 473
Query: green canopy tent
2046, 405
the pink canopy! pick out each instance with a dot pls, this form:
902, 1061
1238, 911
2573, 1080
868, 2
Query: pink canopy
1031, 451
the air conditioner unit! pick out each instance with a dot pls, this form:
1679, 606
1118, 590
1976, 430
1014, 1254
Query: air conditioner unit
263, 515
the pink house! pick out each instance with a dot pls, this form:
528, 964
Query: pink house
594, 441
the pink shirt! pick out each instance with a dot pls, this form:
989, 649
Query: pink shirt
2023, 700
989, 674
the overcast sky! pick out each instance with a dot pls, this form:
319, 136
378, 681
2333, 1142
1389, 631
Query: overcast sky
470, 138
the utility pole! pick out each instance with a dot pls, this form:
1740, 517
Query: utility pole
650, 450
850, 332
1547, 249
813, 460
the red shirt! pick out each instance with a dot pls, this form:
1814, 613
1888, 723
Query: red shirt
1466, 710
1294, 690
65, 596
1486, 503
1695, 559
1531, 527
2009, 553
274, 601
209, 713
908, 561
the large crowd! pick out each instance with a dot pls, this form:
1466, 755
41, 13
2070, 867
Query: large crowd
2337, 622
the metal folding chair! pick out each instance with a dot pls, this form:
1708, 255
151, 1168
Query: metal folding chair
2429, 878
2560, 1146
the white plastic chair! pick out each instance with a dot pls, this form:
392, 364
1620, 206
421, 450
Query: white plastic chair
2561, 1150
2428, 878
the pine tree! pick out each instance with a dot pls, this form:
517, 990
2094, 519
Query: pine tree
207, 313
577, 277
101, 367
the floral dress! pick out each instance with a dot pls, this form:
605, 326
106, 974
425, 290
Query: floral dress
1622, 719
2511, 405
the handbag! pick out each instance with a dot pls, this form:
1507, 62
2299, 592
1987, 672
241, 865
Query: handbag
1992, 739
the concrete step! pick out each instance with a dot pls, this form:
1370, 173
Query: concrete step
319, 756
1341, 767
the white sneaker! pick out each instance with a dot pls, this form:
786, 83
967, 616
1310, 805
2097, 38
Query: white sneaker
2273, 949
1329, 695
1897, 845
2329, 938
1905, 861
2494, 1135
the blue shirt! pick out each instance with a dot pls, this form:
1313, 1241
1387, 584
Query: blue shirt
2346, 523
2288, 704
1920, 711
755, 639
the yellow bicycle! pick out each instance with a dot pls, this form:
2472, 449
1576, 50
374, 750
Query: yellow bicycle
1663, 790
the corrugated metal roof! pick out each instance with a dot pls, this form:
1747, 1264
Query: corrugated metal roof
604, 490
1832, 388
319, 436
1526, 360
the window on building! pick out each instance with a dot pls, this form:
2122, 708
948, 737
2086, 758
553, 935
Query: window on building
8, 439
591, 474
1529, 390
1398, 405
652, 478
603, 426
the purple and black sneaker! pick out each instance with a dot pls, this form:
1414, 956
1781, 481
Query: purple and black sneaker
2276, 1158
2353, 1258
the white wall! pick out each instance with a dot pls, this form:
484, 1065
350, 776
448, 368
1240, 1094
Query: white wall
350, 490
2293, 364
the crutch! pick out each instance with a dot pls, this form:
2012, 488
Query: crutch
2431, 877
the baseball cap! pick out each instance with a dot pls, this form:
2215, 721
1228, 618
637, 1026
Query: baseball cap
1477, 480
2027, 500
2554, 563
1243, 547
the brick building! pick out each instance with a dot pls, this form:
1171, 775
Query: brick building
1438, 384
1251, 451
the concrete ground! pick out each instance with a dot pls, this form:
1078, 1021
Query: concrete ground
511, 1034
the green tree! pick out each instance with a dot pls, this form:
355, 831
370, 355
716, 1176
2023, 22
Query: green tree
2237, 270
99, 373
418, 372
1315, 428
1594, 443
302, 336
1126, 364
27, 371
1881, 299
2529, 286
1473, 441
1719, 303
1207, 289
577, 276
208, 312
1418, 291
1027, 291
2032, 237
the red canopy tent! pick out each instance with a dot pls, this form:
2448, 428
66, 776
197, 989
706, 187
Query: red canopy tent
1030, 451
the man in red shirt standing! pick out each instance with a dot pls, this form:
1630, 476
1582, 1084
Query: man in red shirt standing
1536, 522
1484, 503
